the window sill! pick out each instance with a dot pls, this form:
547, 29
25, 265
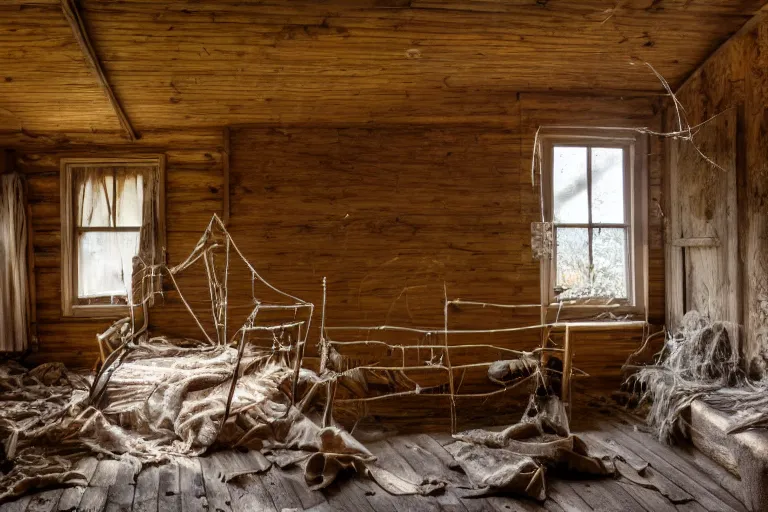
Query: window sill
99, 311
600, 324
591, 313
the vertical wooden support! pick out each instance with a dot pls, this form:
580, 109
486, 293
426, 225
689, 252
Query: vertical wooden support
567, 369
225, 170
330, 387
674, 259
731, 256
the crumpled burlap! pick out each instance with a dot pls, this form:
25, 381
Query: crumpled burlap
516, 459
167, 399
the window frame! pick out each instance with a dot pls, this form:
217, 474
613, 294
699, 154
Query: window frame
635, 207
69, 302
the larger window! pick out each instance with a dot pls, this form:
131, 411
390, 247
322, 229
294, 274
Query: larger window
110, 211
593, 195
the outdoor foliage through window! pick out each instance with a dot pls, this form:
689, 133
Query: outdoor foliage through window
590, 222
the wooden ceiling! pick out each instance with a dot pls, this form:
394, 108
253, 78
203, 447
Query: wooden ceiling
188, 63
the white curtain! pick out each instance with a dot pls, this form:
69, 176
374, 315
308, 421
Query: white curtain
105, 199
117, 213
14, 287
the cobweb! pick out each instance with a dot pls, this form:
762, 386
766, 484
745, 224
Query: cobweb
283, 321
701, 360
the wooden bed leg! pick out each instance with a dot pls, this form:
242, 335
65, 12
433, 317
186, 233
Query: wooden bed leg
567, 369
330, 394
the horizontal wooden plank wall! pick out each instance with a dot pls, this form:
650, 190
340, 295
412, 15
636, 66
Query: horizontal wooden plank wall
387, 212
734, 77
193, 184
625, 112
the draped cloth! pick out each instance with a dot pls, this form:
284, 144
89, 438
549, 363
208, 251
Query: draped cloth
14, 286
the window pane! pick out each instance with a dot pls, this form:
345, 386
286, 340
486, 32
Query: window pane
569, 184
93, 197
608, 185
130, 194
572, 271
105, 263
610, 259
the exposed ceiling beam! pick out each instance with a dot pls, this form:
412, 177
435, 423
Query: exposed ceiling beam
72, 14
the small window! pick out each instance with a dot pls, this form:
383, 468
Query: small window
589, 195
110, 215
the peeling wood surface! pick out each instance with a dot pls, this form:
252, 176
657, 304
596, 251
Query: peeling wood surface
706, 205
734, 78
417, 456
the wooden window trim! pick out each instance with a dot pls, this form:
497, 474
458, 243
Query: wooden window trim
636, 189
69, 306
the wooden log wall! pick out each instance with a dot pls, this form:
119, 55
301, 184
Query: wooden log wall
734, 78
388, 212
193, 192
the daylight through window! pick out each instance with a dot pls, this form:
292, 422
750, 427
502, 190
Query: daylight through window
591, 218
108, 216
103, 217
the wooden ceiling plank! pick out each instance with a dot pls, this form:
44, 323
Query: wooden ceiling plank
72, 14
753, 22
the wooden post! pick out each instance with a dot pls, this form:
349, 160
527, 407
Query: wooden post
567, 369
674, 262
330, 387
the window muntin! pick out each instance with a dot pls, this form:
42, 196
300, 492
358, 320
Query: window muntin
106, 203
108, 214
591, 215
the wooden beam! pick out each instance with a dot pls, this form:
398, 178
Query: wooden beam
225, 171
72, 14
699, 241
673, 256
567, 369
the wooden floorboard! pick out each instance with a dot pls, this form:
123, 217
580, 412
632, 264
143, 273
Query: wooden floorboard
19, 505
562, 493
169, 489
147, 487
688, 483
120, 497
71, 497
216, 491
191, 486
45, 501
94, 499
685, 475
250, 495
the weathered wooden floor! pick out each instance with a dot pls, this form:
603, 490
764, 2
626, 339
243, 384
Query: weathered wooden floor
191, 485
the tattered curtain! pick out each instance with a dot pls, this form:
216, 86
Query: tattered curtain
116, 213
14, 286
